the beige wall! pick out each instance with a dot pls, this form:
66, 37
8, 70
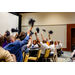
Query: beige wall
7, 21
49, 18
55, 21
59, 32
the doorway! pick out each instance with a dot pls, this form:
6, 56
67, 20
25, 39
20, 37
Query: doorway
72, 39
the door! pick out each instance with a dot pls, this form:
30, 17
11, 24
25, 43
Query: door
72, 39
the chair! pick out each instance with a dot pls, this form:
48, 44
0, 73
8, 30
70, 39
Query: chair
35, 58
46, 55
59, 52
54, 56
25, 57
23, 54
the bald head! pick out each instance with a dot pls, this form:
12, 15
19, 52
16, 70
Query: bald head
1, 40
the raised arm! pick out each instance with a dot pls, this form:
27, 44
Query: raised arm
26, 46
29, 43
37, 37
49, 37
25, 41
42, 36
15, 36
31, 28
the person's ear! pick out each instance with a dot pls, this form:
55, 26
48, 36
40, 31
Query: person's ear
12, 40
6, 42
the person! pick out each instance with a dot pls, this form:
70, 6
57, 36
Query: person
59, 46
5, 55
25, 47
55, 44
53, 51
73, 56
43, 46
34, 44
14, 47
7, 33
22, 35
49, 38
52, 48
38, 43
45, 39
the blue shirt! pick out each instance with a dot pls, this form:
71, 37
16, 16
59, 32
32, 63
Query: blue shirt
24, 47
15, 48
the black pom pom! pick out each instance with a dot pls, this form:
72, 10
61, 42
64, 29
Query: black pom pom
44, 30
14, 30
50, 32
37, 29
31, 22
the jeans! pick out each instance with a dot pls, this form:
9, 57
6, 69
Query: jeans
50, 54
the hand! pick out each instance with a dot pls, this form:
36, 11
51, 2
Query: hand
31, 28
41, 34
49, 35
35, 33
30, 37
28, 32
16, 34
5, 34
29, 43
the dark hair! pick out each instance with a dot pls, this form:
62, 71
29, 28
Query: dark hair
1, 40
22, 36
35, 41
51, 42
7, 33
44, 41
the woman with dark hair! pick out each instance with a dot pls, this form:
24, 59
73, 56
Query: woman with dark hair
22, 35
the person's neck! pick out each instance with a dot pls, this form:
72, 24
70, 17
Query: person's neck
9, 42
34, 44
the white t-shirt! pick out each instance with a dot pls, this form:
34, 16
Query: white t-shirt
52, 48
44, 46
59, 46
34, 46
49, 40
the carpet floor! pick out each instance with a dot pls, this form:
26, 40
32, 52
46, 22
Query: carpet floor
65, 57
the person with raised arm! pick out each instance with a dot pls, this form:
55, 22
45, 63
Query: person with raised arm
14, 47
45, 39
43, 44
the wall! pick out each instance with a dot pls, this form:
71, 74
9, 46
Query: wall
49, 18
56, 21
58, 32
8, 21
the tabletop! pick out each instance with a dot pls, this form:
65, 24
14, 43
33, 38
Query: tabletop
31, 49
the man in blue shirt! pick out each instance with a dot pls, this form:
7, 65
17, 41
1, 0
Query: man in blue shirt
14, 47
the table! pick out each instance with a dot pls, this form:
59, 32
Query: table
33, 51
